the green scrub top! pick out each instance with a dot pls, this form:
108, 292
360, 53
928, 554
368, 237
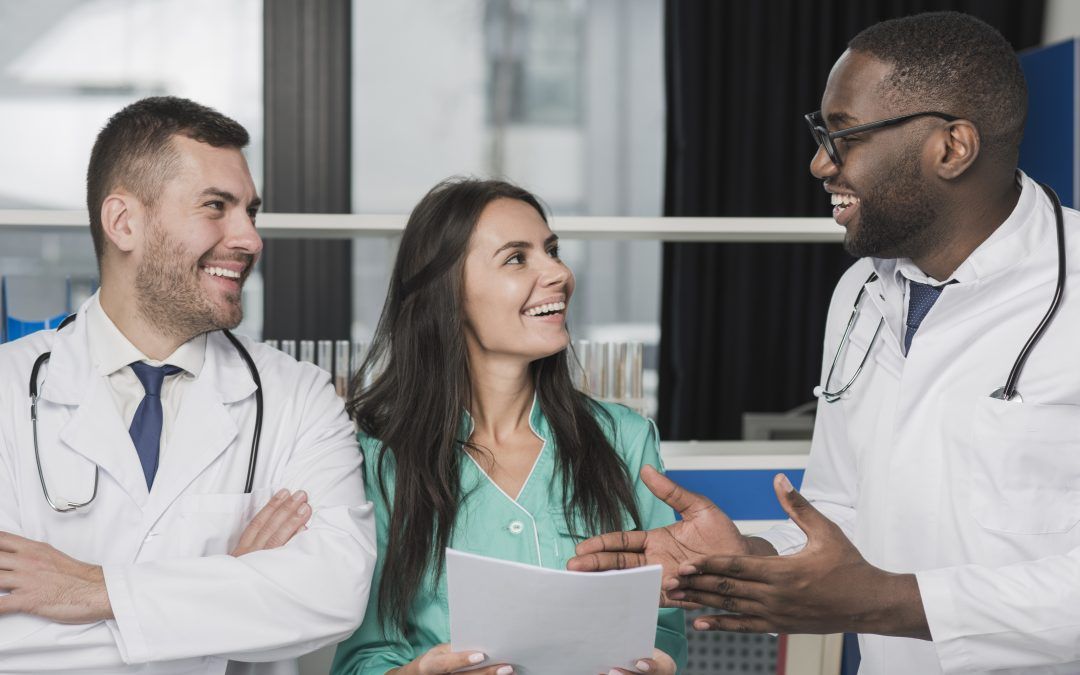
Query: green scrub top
531, 529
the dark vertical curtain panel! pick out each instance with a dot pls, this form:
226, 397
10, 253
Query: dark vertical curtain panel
742, 324
308, 150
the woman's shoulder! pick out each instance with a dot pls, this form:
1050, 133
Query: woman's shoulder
622, 424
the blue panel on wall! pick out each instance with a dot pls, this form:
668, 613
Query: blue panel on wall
1047, 153
742, 494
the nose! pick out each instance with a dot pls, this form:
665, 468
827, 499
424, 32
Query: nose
242, 235
821, 165
555, 273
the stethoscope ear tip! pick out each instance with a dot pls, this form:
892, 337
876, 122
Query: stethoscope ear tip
818, 391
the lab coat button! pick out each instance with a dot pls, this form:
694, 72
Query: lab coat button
517, 527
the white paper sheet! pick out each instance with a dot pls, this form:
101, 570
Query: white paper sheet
551, 622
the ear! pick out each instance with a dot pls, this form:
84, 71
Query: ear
957, 145
122, 220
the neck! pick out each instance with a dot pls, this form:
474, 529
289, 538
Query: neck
502, 395
123, 312
975, 218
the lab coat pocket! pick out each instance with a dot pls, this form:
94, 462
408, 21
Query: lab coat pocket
1025, 466
213, 523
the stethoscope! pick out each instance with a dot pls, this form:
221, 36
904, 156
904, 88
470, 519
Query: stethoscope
1005, 393
71, 506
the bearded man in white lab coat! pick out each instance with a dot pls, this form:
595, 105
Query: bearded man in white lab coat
146, 416
936, 520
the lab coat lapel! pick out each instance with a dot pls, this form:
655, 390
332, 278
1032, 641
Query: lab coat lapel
203, 429
95, 429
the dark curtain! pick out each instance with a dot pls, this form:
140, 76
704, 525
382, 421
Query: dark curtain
742, 324
307, 165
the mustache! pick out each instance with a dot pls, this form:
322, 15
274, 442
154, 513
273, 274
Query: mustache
246, 259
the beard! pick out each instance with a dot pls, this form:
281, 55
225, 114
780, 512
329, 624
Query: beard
169, 292
898, 216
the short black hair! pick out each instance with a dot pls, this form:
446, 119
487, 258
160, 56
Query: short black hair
134, 151
953, 63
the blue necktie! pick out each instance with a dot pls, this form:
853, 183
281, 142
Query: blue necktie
921, 297
146, 425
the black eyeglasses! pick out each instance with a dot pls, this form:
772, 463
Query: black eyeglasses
825, 138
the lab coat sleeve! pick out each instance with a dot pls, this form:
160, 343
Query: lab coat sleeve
645, 449
374, 648
273, 604
830, 481
1023, 616
30, 644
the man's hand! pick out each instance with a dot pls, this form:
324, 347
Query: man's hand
704, 530
43, 581
828, 587
659, 664
275, 524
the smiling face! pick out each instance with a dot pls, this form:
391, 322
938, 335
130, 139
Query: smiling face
883, 192
200, 242
516, 289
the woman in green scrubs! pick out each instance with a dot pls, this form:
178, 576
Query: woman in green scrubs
473, 434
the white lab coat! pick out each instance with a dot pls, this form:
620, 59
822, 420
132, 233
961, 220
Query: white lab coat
927, 474
181, 603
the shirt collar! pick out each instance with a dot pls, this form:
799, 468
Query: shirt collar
1013, 240
111, 350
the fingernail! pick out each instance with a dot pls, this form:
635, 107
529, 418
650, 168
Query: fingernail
643, 666
613, 672
505, 670
299, 496
785, 484
701, 625
281, 494
303, 510
478, 657
676, 595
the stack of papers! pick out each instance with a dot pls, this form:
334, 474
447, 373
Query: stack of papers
551, 622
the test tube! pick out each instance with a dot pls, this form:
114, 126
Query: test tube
637, 371
271, 343
620, 389
325, 355
341, 367
307, 351
289, 347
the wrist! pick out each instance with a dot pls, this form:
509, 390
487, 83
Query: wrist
897, 608
98, 592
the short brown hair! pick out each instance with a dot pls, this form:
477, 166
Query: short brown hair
134, 150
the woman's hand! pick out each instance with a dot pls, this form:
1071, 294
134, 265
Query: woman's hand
659, 664
439, 660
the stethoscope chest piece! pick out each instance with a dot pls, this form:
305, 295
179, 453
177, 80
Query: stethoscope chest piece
999, 394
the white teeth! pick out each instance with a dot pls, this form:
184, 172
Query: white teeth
221, 272
546, 309
843, 200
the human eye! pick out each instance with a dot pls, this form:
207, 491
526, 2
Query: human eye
252, 213
518, 258
215, 204
553, 251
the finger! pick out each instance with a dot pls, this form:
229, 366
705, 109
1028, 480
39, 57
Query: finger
749, 567
734, 623
277, 519
682, 500
247, 537
614, 541
290, 527
448, 661
12, 543
720, 585
801, 511
8, 561
726, 603
600, 562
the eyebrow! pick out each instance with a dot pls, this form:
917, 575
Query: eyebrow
524, 244
841, 119
229, 197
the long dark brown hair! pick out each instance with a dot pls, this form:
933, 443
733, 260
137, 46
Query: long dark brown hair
415, 404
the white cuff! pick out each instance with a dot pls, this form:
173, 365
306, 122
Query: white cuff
126, 630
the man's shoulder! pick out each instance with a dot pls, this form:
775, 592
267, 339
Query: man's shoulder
17, 356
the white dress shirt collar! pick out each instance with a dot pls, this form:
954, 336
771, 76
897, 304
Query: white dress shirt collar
111, 350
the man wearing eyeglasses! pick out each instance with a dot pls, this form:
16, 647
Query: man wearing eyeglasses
939, 511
